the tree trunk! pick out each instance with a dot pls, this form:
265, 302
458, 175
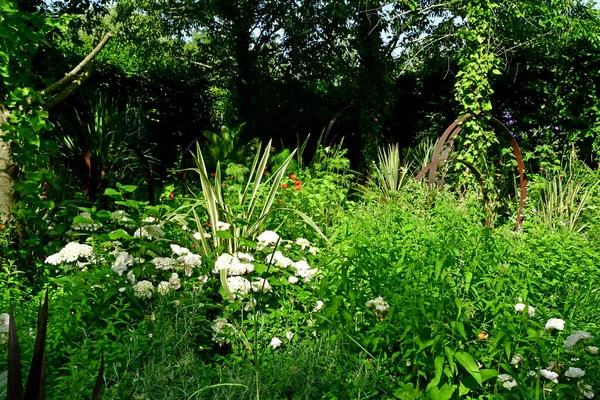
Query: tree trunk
6, 171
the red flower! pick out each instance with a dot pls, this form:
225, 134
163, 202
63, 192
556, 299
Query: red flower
284, 185
298, 185
280, 201
171, 195
213, 174
207, 223
293, 177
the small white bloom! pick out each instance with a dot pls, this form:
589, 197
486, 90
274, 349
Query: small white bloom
516, 359
184, 227
303, 243
531, 373
520, 307
174, 281
122, 289
507, 381
163, 288
573, 372
313, 250
318, 306
555, 323
510, 384
131, 277
592, 349
550, 375
587, 391
293, 280
275, 342
180, 251
576, 337
222, 226
289, 335
378, 304
304, 270
198, 236
239, 285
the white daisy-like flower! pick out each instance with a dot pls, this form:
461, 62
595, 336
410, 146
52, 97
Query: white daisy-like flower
550, 375
267, 238
163, 288
143, 289
275, 342
574, 372
555, 323
520, 307
576, 337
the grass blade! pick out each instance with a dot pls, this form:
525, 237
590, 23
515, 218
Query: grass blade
99, 380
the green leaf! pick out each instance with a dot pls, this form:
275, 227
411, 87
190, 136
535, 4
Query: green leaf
469, 364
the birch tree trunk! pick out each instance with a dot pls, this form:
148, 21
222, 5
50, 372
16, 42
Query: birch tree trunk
6, 171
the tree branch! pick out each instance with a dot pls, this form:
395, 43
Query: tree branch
67, 91
73, 75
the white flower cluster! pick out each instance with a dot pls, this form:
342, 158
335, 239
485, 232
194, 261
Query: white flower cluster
304, 243
587, 392
222, 226
165, 287
279, 260
260, 284
86, 223
267, 238
70, 253
378, 304
239, 285
304, 271
573, 372
198, 236
164, 263
149, 232
233, 264
507, 381
122, 260
275, 342
550, 375
143, 289
223, 331
121, 216
520, 307
555, 323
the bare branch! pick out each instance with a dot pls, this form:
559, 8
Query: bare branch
67, 91
71, 76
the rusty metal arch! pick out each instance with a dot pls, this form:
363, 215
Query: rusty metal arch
444, 146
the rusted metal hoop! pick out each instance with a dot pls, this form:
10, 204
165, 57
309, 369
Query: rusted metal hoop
442, 151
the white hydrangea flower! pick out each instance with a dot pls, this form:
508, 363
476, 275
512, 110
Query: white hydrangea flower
279, 260
143, 289
520, 307
576, 337
587, 391
70, 253
550, 375
319, 306
222, 226
163, 288
164, 263
267, 238
304, 270
223, 330
149, 232
275, 342
260, 284
239, 285
555, 323
180, 251
233, 265
87, 225
4, 322
198, 235
188, 262
378, 304
303, 243
131, 277
244, 257
289, 335
293, 280
174, 281
592, 349
122, 260
574, 372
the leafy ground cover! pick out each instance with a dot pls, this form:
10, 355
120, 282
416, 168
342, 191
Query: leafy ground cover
292, 284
